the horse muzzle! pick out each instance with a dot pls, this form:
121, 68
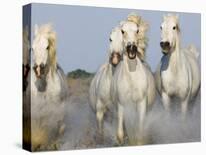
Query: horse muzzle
131, 51
41, 85
165, 45
115, 58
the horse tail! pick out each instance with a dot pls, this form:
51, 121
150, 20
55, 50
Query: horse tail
193, 50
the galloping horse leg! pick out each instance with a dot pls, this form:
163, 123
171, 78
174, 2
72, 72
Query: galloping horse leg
100, 117
120, 130
142, 112
184, 108
166, 102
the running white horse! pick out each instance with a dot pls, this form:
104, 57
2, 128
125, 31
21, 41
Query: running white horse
100, 85
48, 89
178, 74
26, 88
133, 85
26, 58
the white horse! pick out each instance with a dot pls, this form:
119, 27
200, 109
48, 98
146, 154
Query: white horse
100, 86
48, 89
133, 85
178, 74
26, 89
26, 58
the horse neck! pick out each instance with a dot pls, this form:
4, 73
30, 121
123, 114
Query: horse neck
175, 57
51, 74
139, 65
110, 69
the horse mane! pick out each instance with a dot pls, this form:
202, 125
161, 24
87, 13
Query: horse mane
51, 35
141, 37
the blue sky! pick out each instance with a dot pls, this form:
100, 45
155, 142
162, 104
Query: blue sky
83, 32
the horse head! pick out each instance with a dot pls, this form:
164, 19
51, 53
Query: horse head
116, 46
134, 36
169, 33
44, 54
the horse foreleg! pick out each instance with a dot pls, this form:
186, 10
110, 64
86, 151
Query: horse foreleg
100, 116
166, 102
142, 113
120, 130
184, 108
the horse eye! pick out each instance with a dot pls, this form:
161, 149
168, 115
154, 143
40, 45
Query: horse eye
137, 31
47, 47
110, 39
122, 31
174, 28
160, 27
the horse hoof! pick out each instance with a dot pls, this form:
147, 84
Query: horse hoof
142, 141
120, 141
62, 129
99, 138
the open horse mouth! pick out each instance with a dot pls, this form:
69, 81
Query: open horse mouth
26, 69
131, 51
115, 58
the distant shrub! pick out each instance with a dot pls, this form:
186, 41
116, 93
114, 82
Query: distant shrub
79, 73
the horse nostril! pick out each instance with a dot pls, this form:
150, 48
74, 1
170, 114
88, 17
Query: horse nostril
34, 67
42, 65
37, 70
167, 44
162, 44
134, 48
129, 46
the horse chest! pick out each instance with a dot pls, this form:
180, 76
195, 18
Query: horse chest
53, 88
174, 84
133, 86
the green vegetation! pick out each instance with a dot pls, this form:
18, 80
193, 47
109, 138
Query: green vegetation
79, 73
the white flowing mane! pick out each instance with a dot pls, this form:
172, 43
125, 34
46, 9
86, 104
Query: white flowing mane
141, 37
48, 31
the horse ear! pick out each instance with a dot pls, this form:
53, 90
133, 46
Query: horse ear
36, 29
